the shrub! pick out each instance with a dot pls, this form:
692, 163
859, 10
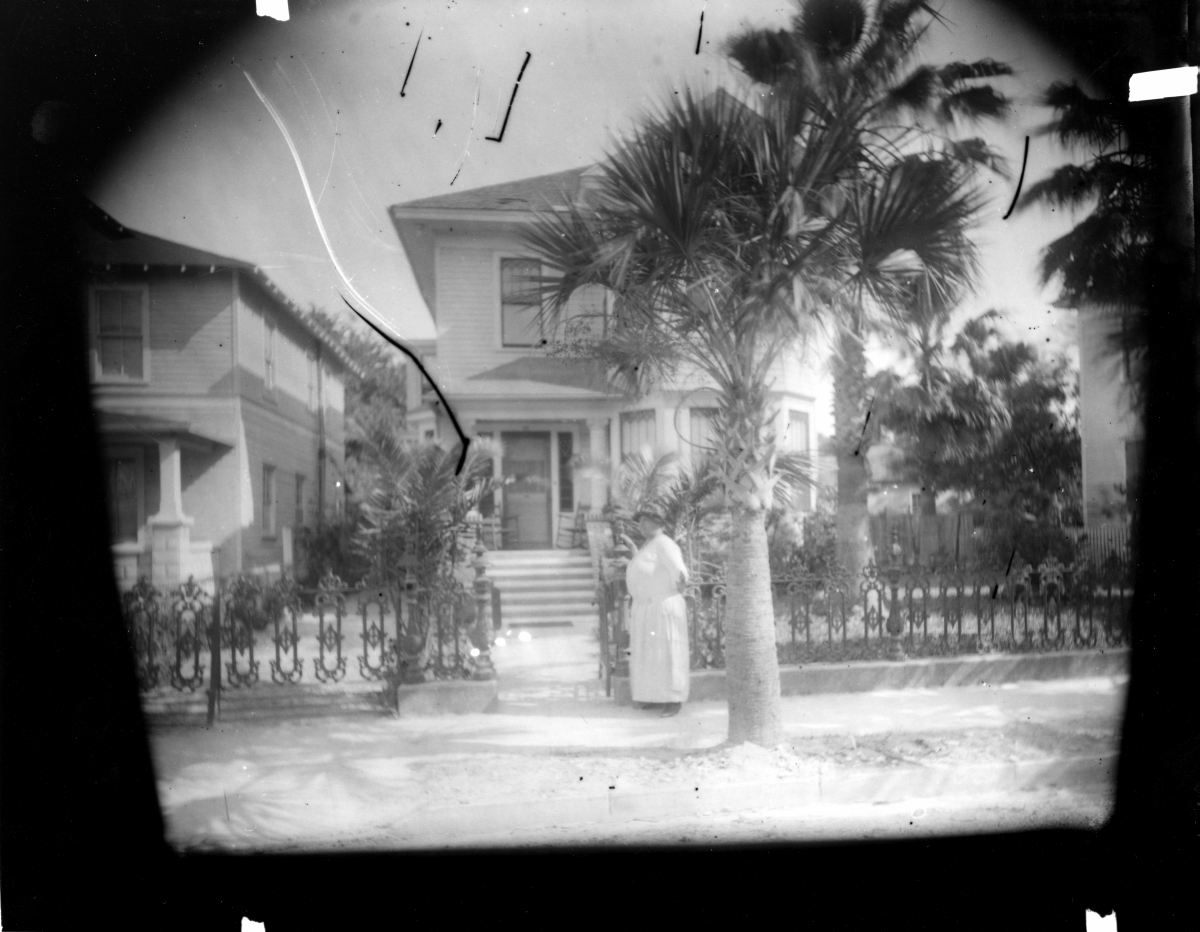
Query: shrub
331, 548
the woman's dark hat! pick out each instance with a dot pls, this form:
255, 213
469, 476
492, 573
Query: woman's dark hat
650, 513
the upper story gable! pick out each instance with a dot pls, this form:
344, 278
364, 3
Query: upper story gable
166, 320
473, 270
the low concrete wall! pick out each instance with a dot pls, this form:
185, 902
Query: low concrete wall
447, 697
923, 673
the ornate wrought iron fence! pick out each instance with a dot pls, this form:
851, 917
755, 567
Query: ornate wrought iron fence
191, 638
938, 612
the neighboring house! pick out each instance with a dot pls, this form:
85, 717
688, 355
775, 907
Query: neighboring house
1110, 430
554, 418
220, 410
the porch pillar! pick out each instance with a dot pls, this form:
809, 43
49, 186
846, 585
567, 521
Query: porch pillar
170, 529
598, 454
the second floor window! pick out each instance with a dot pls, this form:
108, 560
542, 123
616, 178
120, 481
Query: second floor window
268, 501
311, 363
268, 357
120, 324
519, 304
299, 518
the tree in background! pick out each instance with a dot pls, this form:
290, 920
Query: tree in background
1102, 262
990, 419
860, 60
375, 403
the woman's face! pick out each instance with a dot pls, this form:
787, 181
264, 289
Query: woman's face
648, 526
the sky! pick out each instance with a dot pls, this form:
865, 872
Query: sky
209, 167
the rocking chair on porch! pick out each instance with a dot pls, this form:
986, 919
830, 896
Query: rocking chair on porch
572, 534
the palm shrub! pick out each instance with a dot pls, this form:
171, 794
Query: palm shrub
415, 513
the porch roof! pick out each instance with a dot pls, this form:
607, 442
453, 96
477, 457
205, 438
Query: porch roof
151, 427
578, 374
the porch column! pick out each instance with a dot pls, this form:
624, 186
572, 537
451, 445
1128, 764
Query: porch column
170, 529
598, 454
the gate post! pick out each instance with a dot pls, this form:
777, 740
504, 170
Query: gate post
619, 602
484, 669
214, 644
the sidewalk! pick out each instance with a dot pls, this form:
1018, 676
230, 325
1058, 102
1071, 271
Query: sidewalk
557, 765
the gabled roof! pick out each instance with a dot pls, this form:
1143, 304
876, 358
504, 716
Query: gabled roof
549, 370
103, 242
555, 190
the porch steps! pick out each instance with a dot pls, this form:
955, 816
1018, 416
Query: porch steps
543, 588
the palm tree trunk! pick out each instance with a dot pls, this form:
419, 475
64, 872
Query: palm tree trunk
751, 663
849, 418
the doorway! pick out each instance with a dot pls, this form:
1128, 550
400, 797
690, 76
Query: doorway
527, 489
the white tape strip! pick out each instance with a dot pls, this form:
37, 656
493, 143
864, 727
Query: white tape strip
1169, 82
276, 9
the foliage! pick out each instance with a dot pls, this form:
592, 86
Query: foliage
1102, 261
329, 548
375, 399
416, 510
802, 544
1007, 535
987, 416
686, 495
862, 60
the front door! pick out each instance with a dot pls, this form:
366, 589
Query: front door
527, 490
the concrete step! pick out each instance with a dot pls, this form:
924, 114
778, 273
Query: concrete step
542, 595
538, 609
579, 576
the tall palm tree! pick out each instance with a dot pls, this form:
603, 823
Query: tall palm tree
858, 59
723, 233
1102, 262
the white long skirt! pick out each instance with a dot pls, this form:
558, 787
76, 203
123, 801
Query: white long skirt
658, 650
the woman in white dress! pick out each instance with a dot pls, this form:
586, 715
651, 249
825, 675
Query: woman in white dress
659, 665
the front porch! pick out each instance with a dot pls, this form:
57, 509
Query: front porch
143, 459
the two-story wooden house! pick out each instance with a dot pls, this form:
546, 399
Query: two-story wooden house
220, 410
562, 432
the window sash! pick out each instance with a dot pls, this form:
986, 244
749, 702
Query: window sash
566, 481
638, 430
119, 340
268, 357
519, 303
299, 516
797, 440
268, 500
703, 433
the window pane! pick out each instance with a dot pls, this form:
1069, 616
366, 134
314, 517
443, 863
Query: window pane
131, 314
110, 356
798, 432
566, 482
108, 305
123, 491
520, 325
518, 281
132, 358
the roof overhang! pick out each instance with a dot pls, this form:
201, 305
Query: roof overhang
119, 425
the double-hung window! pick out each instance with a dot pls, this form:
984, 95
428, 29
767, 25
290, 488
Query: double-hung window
703, 433
120, 328
519, 302
268, 501
268, 357
299, 514
638, 433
